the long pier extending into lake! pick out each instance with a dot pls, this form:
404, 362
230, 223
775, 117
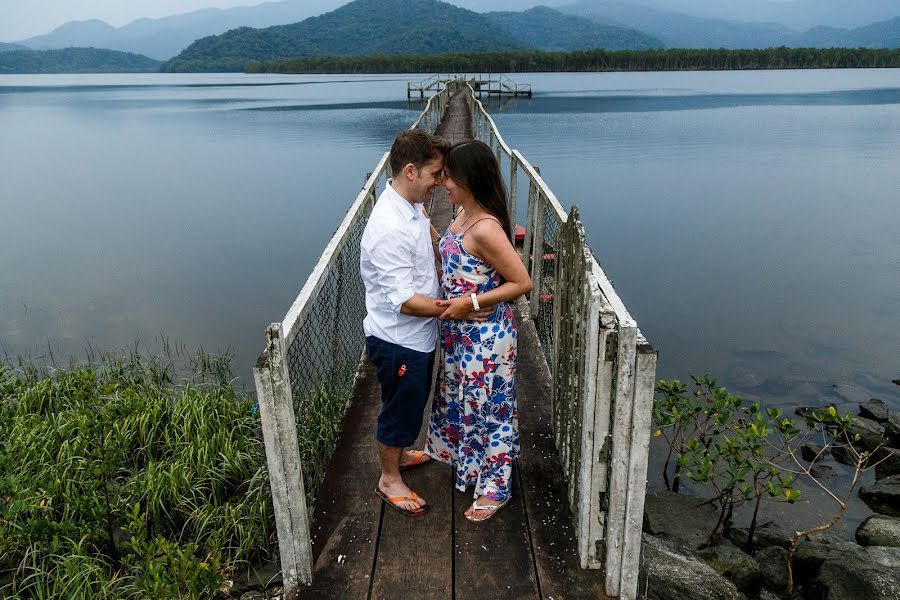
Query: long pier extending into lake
585, 382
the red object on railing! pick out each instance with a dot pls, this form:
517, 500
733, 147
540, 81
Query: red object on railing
520, 232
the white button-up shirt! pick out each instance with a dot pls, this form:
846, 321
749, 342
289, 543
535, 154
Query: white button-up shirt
396, 261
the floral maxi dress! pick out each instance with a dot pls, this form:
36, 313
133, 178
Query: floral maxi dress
474, 420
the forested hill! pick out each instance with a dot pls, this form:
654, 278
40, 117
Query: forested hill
362, 27
75, 60
548, 29
4, 47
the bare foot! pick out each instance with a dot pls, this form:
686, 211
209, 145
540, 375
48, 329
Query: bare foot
481, 515
396, 487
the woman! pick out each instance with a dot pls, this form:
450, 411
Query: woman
474, 421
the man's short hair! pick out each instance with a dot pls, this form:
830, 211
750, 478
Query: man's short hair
416, 147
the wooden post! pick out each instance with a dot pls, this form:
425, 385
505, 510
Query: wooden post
620, 459
513, 193
537, 253
276, 409
639, 455
529, 227
602, 438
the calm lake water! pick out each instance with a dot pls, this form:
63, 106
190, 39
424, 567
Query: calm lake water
749, 220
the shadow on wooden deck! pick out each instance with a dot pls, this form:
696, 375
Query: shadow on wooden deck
364, 550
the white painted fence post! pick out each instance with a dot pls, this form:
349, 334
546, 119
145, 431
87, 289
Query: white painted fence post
537, 253
639, 455
620, 460
276, 409
513, 192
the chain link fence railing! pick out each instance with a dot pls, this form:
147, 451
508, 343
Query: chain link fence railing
602, 371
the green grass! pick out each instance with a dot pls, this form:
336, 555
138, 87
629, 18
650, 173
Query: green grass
129, 479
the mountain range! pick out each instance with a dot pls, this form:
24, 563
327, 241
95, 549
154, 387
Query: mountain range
673, 23
678, 30
547, 29
4, 47
75, 60
164, 38
398, 27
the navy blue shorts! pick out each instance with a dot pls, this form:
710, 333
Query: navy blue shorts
405, 378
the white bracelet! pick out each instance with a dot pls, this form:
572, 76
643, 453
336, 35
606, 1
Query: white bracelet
474, 301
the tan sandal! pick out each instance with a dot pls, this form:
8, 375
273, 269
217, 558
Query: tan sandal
491, 508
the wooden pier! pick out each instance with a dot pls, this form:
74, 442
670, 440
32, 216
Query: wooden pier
362, 549
585, 381
491, 84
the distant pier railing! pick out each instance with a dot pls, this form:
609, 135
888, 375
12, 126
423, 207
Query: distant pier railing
602, 369
481, 83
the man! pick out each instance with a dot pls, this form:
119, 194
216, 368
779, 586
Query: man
397, 266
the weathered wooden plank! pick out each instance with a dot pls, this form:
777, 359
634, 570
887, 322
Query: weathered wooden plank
537, 252
283, 459
527, 250
417, 553
620, 459
493, 559
348, 514
645, 381
602, 437
543, 486
512, 201
588, 453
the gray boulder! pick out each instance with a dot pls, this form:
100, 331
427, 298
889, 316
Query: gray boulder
879, 530
734, 564
871, 438
875, 410
822, 471
847, 579
883, 496
892, 428
890, 463
765, 535
811, 555
772, 563
666, 574
811, 450
887, 556
679, 516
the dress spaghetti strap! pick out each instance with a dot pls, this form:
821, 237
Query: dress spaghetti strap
479, 221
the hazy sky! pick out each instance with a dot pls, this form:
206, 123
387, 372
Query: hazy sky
20, 19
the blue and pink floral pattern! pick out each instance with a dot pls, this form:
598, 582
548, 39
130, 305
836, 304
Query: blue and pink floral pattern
474, 420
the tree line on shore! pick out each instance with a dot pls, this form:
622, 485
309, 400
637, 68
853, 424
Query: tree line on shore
677, 59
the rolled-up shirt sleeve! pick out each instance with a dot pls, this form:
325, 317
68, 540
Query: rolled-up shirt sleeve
392, 260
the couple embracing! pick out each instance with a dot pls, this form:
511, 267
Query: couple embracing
473, 424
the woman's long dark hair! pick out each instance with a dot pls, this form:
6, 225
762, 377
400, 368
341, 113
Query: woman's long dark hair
473, 165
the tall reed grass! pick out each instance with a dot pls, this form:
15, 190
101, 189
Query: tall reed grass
129, 478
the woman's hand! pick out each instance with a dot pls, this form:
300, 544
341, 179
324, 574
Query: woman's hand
456, 308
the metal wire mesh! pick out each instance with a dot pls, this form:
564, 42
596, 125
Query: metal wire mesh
327, 340
547, 255
323, 358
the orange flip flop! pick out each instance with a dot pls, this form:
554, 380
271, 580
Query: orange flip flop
421, 460
416, 512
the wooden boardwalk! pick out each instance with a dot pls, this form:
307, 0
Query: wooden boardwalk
527, 551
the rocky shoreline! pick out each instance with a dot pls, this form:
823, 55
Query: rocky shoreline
677, 563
